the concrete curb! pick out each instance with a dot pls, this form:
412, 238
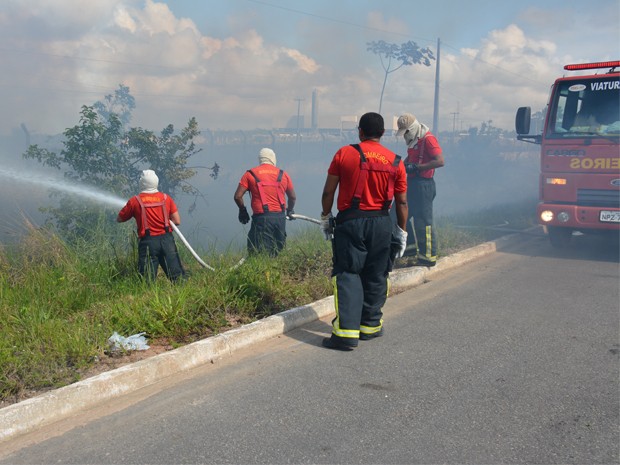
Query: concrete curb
30, 414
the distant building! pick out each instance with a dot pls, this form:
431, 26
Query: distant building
294, 123
348, 122
315, 110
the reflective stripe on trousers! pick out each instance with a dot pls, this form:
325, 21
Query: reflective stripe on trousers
421, 232
360, 276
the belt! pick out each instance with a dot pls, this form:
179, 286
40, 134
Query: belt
353, 213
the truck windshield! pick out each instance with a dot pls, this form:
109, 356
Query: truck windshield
588, 107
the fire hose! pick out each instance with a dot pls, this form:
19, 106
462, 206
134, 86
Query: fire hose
189, 247
305, 218
240, 262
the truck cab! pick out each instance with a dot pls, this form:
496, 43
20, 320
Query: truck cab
579, 188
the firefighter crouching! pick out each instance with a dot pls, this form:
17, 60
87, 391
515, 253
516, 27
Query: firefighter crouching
153, 212
367, 176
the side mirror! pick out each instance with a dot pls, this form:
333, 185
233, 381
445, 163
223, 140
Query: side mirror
522, 120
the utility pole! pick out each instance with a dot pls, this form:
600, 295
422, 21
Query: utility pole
436, 105
455, 116
298, 100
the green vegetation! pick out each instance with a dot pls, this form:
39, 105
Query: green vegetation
60, 301
102, 151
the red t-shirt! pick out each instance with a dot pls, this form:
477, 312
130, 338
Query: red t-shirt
266, 173
154, 216
346, 165
425, 150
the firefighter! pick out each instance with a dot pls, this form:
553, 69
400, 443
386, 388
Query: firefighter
153, 212
267, 185
368, 177
423, 157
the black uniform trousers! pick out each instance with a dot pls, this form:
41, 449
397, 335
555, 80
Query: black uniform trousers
420, 195
267, 233
154, 251
360, 276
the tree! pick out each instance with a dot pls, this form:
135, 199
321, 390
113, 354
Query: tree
120, 104
101, 152
407, 54
167, 154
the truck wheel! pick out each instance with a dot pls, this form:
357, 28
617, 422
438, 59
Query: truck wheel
559, 237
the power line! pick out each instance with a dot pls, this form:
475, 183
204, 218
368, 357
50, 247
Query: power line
300, 12
99, 60
361, 26
339, 21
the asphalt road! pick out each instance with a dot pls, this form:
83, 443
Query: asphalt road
509, 359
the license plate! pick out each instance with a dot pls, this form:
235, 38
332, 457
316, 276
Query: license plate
607, 216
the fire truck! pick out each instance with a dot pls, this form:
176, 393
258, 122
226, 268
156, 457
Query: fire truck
580, 153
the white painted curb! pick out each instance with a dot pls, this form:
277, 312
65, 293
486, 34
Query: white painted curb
56, 405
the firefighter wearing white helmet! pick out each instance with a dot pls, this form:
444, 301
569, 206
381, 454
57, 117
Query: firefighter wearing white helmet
153, 212
268, 185
423, 157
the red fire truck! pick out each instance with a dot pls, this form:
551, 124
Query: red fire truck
580, 153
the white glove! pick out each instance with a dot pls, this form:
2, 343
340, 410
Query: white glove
401, 238
326, 226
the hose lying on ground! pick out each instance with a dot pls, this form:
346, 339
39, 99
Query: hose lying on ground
240, 262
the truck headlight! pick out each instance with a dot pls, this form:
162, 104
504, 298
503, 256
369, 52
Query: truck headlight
546, 216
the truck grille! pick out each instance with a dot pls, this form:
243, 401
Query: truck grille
598, 198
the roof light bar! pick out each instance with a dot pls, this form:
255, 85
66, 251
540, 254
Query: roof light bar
600, 64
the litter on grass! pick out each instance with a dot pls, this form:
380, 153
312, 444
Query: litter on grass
134, 342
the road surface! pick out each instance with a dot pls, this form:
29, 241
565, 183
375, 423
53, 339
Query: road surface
509, 359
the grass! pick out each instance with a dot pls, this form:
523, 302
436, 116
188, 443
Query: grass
60, 303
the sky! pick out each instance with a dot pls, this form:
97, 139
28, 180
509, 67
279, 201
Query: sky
250, 64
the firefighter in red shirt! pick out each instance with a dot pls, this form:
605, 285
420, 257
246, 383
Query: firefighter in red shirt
423, 157
368, 177
267, 185
153, 212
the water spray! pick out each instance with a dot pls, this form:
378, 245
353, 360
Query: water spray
88, 192
92, 194
112, 200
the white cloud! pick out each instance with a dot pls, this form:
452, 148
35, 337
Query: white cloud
507, 71
123, 19
243, 81
303, 62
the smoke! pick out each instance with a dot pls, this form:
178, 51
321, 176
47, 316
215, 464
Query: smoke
477, 175
246, 68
